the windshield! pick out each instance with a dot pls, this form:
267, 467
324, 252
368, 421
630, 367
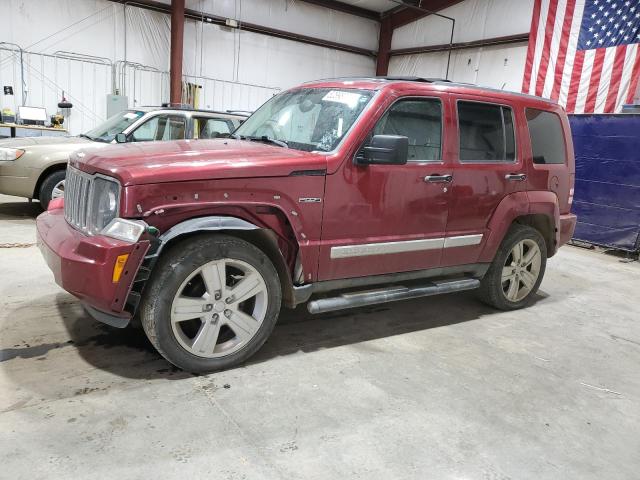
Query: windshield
107, 130
308, 118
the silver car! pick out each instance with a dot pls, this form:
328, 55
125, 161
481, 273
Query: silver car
36, 167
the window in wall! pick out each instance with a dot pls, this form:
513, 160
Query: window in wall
547, 137
161, 127
418, 119
486, 133
209, 127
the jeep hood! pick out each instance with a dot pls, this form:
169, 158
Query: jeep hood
184, 160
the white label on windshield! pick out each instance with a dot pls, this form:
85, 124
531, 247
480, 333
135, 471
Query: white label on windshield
348, 98
130, 115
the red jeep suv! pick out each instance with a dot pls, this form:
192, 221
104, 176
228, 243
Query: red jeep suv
339, 193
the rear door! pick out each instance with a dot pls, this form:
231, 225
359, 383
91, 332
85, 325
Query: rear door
488, 166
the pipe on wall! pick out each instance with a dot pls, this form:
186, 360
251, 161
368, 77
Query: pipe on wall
177, 38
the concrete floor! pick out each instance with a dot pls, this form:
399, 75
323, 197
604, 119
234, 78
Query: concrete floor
440, 388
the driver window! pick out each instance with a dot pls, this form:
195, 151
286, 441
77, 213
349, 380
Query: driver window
421, 121
161, 127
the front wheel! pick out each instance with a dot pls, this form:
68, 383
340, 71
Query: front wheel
52, 187
211, 304
517, 270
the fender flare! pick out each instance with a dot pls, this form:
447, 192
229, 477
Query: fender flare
520, 204
203, 224
230, 223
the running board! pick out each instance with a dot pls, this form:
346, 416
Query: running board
391, 294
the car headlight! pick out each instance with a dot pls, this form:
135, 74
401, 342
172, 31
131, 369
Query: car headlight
8, 154
104, 204
126, 230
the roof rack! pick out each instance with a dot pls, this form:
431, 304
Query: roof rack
412, 79
178, 106
240, 112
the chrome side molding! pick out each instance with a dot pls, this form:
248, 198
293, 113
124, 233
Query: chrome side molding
383, 248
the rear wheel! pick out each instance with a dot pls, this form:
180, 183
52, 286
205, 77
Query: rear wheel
52, 187
212, 303
517, 269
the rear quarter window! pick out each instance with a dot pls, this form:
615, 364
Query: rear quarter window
547, 137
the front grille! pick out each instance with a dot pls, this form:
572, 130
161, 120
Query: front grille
77, 193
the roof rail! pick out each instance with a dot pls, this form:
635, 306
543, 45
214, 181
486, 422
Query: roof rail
178, 106
240, 112
412, 79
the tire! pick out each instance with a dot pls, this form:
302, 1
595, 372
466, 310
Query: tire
510, 284
50, 184
187, 282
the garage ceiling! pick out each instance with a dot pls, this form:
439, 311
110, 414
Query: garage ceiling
374, 5
374, 9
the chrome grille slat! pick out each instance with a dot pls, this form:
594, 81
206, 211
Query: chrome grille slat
76, 198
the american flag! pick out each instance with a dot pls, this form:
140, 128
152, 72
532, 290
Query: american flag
584, 53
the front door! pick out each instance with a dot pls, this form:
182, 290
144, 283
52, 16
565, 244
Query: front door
488, 166
160, 127
389, 218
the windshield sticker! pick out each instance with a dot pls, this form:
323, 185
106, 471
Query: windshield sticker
130, 115
340, 96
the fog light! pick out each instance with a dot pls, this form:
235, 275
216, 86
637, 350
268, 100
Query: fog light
127, 230
119, 267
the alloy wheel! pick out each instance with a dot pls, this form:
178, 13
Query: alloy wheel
521, 270
219, 308
58, 190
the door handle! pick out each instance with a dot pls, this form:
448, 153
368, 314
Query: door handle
438, 178
517, 177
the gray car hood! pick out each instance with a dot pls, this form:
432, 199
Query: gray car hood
30, 141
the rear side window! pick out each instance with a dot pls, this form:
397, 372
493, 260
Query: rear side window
418, 119
209, 127
486, 133
547, 137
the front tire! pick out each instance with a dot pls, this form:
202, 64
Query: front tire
52, 187
211, 304
516, 271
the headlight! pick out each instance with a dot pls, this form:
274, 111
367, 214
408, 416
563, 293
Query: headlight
8, 154
127, 230
104, 204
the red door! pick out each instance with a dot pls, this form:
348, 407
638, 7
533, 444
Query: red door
488, 166
386, 218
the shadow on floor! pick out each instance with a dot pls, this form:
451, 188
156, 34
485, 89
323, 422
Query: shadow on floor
19, 209
128, 353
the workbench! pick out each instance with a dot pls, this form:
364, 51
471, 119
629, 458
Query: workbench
13, 130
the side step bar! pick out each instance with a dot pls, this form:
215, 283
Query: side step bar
391, 294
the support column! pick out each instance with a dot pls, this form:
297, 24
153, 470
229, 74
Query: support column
384, 46
177, 37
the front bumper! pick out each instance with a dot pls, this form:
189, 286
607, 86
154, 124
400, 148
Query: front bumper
16, 179
83, 266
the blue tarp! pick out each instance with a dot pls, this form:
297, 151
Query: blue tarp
607, 191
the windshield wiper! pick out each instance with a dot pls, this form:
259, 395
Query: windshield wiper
235, 136
84, 135
267, 139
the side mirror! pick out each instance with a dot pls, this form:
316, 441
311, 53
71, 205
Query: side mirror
385, 150
121, 138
